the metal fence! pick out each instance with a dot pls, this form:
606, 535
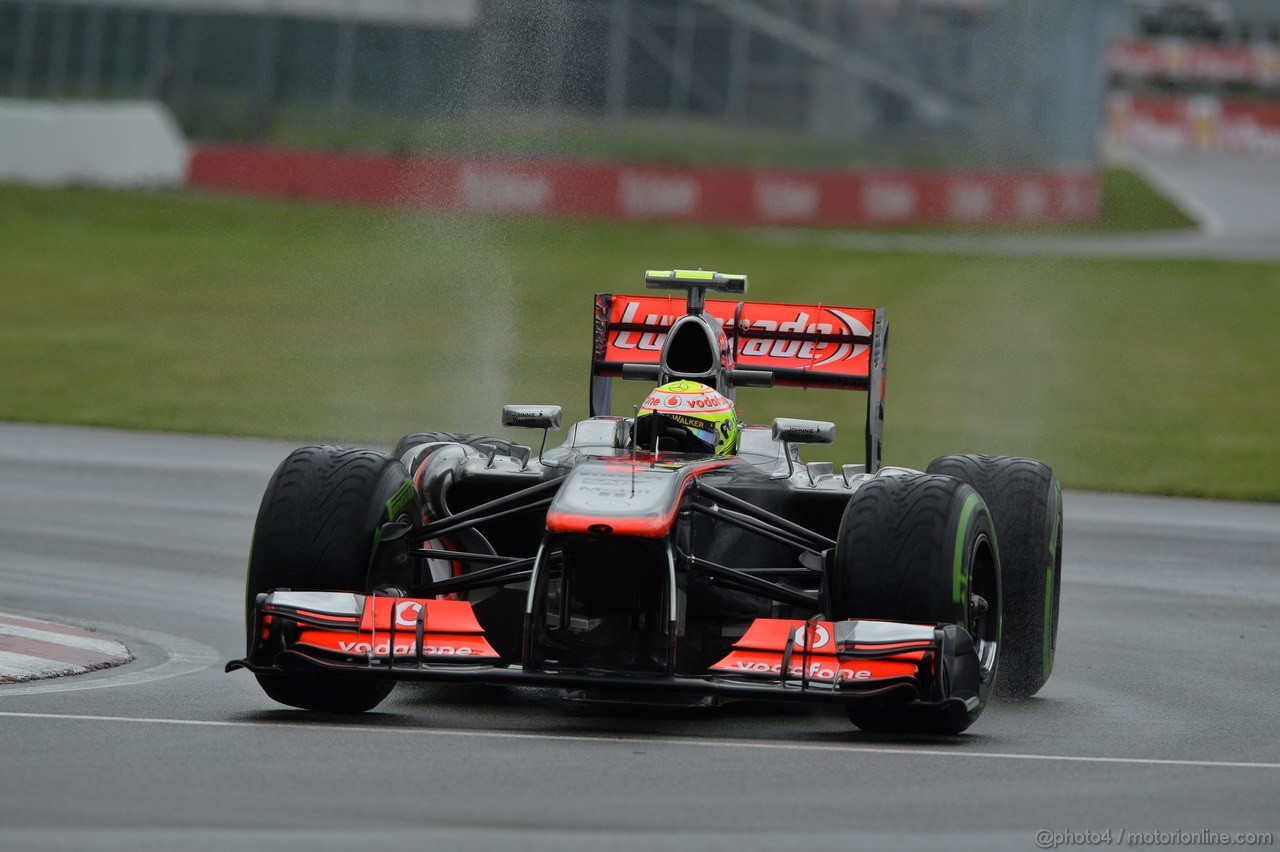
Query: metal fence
985, 83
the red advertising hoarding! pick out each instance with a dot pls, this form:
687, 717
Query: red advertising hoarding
1194, 123
633, 191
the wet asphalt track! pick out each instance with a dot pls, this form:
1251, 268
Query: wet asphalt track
1161, 713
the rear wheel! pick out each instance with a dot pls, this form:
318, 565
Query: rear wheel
920, 548
318, 529
1026, 504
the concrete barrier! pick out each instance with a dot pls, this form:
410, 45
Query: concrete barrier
112, 144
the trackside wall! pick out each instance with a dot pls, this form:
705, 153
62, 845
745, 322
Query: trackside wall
635, 191
115, 144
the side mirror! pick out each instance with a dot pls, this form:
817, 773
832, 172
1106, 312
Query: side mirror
793, 431
532, 416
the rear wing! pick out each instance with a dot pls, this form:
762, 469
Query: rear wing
808, 346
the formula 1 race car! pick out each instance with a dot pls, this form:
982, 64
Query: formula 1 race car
674, 555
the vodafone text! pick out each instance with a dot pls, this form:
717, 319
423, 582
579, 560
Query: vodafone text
383, 648
817, 671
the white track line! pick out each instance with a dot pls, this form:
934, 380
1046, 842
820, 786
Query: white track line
680, 743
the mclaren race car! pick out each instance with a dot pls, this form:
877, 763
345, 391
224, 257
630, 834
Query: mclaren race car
671, 554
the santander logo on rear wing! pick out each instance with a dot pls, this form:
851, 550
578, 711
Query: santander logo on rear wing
800, 345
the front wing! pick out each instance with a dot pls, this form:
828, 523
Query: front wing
776, 659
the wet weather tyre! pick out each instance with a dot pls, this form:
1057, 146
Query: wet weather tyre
317, 529
1026, 504
915, 548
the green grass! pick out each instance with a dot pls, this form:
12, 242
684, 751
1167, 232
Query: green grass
226, 315
1129, 204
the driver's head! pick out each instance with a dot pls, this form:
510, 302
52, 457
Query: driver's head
688, 417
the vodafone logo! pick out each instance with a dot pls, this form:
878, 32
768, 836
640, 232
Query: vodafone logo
700, 400
407, 613
818, 637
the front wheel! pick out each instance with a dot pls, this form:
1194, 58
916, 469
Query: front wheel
317, 529
920, 548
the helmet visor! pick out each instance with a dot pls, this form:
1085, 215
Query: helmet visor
676, 433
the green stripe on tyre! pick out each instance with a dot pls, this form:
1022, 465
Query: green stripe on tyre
1047, 663
1047, 652
397, 501
403, 494
957, 568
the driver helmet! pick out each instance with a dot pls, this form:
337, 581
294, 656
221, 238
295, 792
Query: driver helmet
688, 417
